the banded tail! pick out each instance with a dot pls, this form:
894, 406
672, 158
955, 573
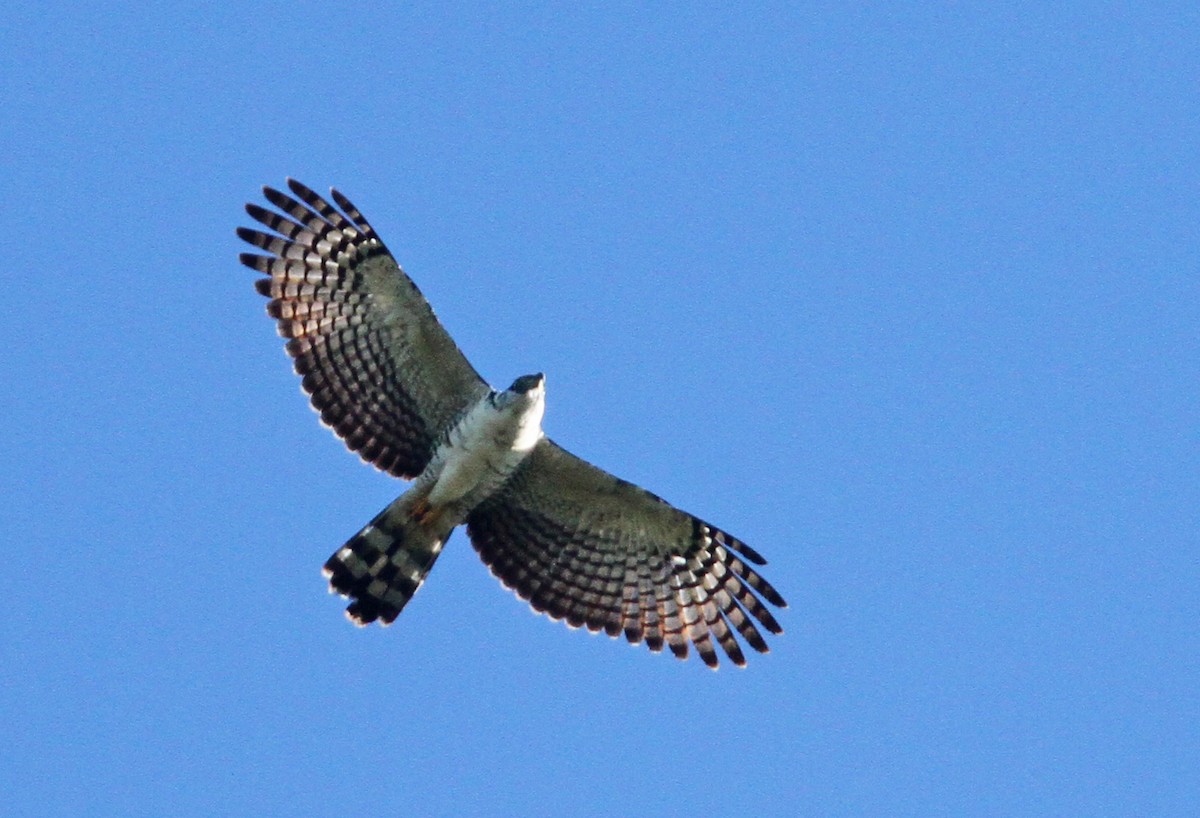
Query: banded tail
382, 566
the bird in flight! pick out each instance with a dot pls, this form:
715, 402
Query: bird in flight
573, 540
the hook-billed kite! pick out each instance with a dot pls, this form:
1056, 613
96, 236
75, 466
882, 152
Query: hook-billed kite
576, 542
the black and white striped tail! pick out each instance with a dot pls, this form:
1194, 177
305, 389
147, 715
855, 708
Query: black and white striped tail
382, 566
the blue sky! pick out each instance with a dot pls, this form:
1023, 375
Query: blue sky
907, 298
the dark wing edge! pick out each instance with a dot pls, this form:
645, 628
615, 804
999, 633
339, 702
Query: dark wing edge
586, 547
377, 365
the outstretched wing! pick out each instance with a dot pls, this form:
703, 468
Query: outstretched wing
379, 367
582, 545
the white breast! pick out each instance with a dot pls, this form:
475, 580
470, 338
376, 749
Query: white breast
484, 448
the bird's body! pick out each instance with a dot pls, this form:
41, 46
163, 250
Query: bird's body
384, 564
576, 542
482, 449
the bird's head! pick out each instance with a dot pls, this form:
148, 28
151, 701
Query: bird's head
527, 399
527, 383
526, 392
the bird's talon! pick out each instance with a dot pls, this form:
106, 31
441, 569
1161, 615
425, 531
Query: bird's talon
422, 511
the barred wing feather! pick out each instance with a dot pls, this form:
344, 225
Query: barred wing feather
378, 366
582, 545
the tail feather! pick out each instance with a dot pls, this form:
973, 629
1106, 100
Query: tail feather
382, 566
